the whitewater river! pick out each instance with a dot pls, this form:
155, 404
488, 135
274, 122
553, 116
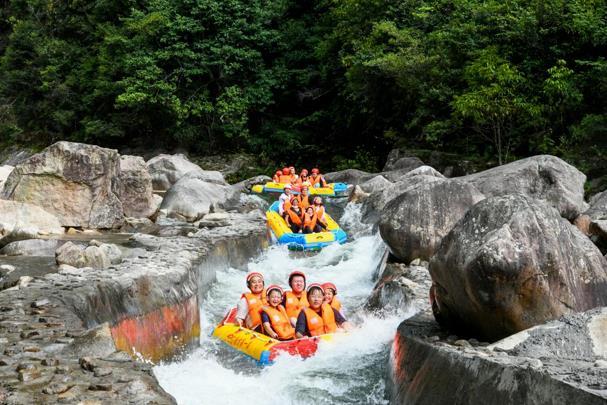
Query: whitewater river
352, 370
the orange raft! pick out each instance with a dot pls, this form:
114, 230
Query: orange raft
260, 347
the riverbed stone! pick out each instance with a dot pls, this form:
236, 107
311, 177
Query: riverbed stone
21, 221
134, 188
414, 223
79, 256
112, 252
400, 288
377, 183
5, 170
542, 177
513, 262
73, 181
166, 170
31, 247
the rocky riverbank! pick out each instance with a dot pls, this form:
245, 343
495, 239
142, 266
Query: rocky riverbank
506, 272
89, 327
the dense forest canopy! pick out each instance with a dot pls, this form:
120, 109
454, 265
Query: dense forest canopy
290, 80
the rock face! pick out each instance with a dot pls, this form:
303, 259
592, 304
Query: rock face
373, 205
4, 173
134, 188
426, 367
71, 181
414, 223
542, 177
511, 263
166, 170
20, 221
349, 176
192, 197
399, 288
377, 183
407, 163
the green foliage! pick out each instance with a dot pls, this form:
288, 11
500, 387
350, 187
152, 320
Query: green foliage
333, 83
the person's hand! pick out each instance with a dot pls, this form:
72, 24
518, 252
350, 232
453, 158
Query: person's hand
274, 335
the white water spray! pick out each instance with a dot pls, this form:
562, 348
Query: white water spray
351, 370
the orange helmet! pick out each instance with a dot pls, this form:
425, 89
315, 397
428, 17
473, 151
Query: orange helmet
285, 171
296, 273
253, 274
315, 171
314, 285
304, 171
278, 172
274, 287
331, 286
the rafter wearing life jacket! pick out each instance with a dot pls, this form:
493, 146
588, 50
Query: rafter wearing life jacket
285, 177
276, 178
294, 304
323, 323
279, 320
255, 303
309, 221
316, 179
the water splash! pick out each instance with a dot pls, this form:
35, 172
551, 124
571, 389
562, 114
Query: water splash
350, 370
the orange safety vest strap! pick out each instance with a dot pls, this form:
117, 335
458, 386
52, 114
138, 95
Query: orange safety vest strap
294, 305
320, 325
285, 179
296, 219
255, 302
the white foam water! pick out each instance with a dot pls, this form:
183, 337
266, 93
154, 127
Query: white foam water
350, 370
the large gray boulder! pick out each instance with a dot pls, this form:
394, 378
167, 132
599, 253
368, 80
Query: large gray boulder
375, 203
349, 176
543, 177
376, 184
166, 170
20, 221
513, 262
414, 223
72, 181
193, 196
79, 256
134, 188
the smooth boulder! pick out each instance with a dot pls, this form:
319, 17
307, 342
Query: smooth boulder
407, 163
193, 196
5, 171
73, 181
80, 257
414, 223
134, 188
166, 170
543, 177
377, 183
31, 247
349, 176
513, 262
20, 221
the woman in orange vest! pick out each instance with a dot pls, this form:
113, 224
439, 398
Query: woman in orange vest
330, 292
319, 318
309, 221
304, 198
316, 179
295, 300
276, 178
319, 209
274, 316
294, 216
248, 310
293, 174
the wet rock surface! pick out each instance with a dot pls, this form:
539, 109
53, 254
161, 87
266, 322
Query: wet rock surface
511, 263
400, 287
430, 366
55, 338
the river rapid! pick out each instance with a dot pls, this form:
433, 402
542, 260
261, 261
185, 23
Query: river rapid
351, 370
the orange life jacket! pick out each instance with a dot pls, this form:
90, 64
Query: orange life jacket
255, 303
294, 305
295, 179
304, 201
309, 221
285, 178
319, 210
318, 180
276, 179
336, 304
279, 320
294, 217
321, 324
